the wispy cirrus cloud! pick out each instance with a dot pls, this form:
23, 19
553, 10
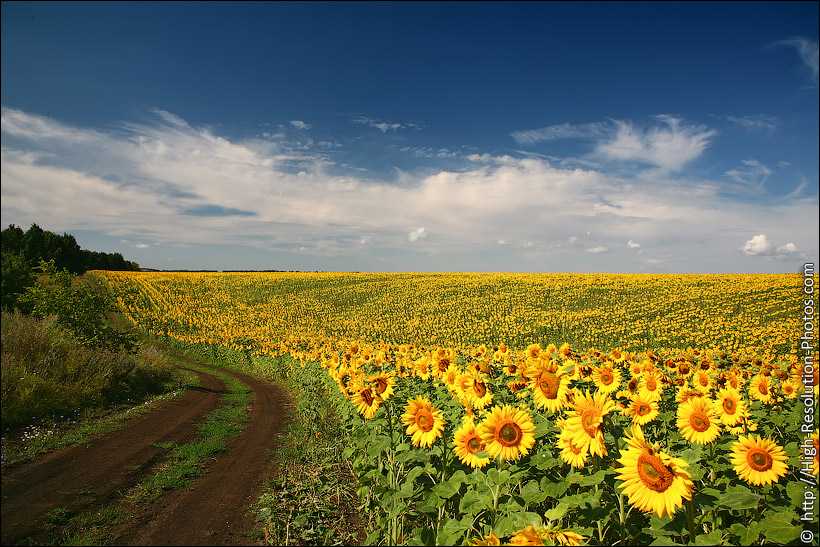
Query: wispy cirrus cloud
384, 126
807, 51
594, 130
753, 174
759, 122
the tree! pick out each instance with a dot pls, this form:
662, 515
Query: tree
16, 278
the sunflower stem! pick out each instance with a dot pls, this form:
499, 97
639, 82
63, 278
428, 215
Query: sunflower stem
690, 519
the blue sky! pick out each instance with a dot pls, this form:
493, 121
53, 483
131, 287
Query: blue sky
525, 137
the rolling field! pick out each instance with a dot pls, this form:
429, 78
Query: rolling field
534, 408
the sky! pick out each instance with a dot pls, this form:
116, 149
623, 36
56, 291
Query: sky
644, 137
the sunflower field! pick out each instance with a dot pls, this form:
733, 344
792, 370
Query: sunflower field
530, 409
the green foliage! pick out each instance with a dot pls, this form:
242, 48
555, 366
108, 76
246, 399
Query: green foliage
16, 278
45, 372
80, 310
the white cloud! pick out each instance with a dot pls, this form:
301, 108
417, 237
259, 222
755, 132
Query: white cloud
257, 193
633, 245
299, 124
419, 234
669, 146
384, 126
760, 245
561, 131
141, 245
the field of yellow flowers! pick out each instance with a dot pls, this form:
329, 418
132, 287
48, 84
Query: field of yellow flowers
532, 409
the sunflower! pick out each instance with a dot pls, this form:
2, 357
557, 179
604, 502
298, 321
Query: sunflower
527, 536
367, 401
730, 406
424, 423
480, 395
789, 388
421, 368
653, 480
631, 390
702, 381
758, 461
642, 411
651, 386
697, 421
685, 369
451, 376
514, 368
468, 442
549, 387
574, 455
492, 539
383, 384
533, 351
585, 420
546, 535
761, 389
507, 432
607, 379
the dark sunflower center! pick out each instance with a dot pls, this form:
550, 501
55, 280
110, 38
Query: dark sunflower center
644, 409
367, 397
424, 420
651, 385
653, 473
549, 385
763, 388
381, 385
607, 378
479, 388
759, 460
699, 422
510, 434
729, 406
474, 445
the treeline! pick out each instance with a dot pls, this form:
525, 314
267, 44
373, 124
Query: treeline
36, 244
23, 253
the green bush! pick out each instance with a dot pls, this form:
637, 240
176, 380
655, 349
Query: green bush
46, 372
79, 309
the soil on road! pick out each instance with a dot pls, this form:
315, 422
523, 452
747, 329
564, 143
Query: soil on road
214, 511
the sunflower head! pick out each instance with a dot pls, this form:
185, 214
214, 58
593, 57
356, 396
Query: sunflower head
507, 432
653, 480
468, 443
758, 461
424, 423
697, 421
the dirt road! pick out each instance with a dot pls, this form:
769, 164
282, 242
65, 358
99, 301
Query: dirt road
213, 512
